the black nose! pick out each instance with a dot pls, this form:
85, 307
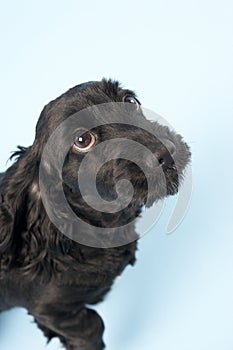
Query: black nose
165, 153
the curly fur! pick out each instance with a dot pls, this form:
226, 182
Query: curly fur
45, 271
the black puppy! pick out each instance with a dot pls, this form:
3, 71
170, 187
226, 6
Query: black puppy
53, 276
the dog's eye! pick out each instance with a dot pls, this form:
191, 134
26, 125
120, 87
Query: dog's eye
132, 99
84, 142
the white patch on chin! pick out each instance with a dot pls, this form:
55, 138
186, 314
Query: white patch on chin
35, 190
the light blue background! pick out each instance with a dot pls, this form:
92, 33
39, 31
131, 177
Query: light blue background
178, 57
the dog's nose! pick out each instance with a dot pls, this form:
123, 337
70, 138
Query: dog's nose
165, 153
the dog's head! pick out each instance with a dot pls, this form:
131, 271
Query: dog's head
111, 141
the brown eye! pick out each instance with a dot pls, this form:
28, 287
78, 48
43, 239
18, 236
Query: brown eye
133, 100
84, 142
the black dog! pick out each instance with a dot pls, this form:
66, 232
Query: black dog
55, 277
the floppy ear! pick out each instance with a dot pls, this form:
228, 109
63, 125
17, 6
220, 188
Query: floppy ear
6, 229
15, 187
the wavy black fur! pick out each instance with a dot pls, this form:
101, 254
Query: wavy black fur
42, 270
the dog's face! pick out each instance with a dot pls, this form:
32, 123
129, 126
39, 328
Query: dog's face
152, 160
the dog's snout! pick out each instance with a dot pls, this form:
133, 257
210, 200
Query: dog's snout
165, 153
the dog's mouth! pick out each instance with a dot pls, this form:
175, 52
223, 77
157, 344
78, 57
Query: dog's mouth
172, 180
162, 184
166, 183
147, 189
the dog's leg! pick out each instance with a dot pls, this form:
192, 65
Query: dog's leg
78, 331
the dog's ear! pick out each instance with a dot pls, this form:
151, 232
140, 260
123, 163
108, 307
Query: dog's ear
15, 186
6, 229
